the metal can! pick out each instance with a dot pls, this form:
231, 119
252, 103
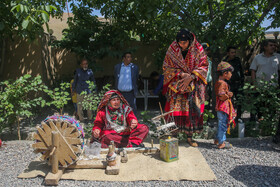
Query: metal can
169, 149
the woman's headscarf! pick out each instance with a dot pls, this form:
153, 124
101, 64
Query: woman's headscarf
107, 96
184, 35
115, 118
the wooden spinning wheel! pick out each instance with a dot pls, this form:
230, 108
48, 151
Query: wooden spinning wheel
68, 137
60, 140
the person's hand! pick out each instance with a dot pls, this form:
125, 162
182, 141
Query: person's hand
184, 75
133, 124
230, 94
96, 133
184, 83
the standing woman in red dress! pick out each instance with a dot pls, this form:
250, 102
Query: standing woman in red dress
185, 70
115, 121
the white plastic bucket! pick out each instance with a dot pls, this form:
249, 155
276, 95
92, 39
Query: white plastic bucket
241, 129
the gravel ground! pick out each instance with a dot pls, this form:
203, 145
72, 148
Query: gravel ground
251, 162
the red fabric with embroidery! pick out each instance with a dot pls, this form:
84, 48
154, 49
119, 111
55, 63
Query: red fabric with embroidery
107, 134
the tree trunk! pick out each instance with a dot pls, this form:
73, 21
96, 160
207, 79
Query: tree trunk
18, 128
47, 77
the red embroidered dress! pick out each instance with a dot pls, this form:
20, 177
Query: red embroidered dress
188, 105
114, 123
224, 105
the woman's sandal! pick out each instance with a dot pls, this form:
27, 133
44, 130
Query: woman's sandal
192, 143
216, 142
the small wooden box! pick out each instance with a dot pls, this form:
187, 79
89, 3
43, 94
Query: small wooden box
169, 149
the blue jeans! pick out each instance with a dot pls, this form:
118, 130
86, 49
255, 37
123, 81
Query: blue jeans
222, 126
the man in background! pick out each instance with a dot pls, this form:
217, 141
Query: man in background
266, 67
83, 74
126, 75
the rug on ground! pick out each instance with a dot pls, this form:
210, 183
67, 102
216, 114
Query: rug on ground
140, 167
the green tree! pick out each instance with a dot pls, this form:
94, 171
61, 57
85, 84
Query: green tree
25, 18
16, 102
90, 37
218, 22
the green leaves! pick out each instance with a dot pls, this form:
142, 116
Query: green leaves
26, 18
92, 99
30, 11
45, 16
59, 96
219, 23
89, 37
18, 99
264, 99
25, 23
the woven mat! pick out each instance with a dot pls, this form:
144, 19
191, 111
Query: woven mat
140, 167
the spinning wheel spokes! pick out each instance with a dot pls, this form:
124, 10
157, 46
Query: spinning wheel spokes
70, 140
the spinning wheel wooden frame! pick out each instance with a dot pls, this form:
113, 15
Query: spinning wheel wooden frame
69, 138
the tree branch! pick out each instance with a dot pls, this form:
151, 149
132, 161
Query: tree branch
227, 12
226, 4
210, 10
257, 24
184, 15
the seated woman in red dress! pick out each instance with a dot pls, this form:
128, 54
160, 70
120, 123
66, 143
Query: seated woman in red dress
115, 121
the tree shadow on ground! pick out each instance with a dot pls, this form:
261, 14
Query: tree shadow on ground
257, 175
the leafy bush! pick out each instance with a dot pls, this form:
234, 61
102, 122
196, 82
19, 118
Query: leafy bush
264, 99
59, 96
92, 99
91, 102
16, 100
207, 114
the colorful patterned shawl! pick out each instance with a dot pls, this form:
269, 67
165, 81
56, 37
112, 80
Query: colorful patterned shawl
115, 118
195, 63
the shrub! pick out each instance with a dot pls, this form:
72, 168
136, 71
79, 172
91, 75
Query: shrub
59, 96
263, 98
16, 100
92, 99
91, 102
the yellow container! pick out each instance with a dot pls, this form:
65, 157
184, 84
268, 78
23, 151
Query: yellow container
169, 149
